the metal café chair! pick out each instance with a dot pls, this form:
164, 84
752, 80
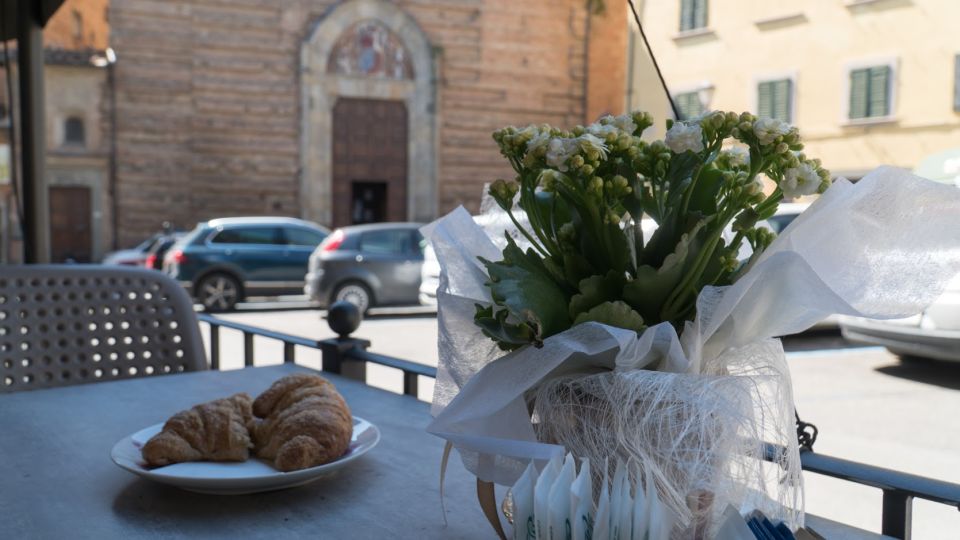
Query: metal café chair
62, 325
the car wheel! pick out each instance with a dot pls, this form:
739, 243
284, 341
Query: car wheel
356, 293
218, 292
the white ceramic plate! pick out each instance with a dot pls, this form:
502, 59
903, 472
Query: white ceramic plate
251, 476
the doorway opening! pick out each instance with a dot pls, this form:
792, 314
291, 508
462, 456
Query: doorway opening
368, 202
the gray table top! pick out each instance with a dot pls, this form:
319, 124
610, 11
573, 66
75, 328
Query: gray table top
57, 479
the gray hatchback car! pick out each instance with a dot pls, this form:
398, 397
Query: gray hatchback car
369, 265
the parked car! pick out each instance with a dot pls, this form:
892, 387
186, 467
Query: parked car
224, 261
154, 260
370, 265
134, 256
934, 333
786, 213
429, 277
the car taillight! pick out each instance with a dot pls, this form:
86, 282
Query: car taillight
332, 242
151, 261
179, 257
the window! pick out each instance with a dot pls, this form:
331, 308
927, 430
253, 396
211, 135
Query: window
689, 105
956, 83
302, 237
249, 235
870, 91
385, 242
693, 14
77, 25
73, 132
775, 99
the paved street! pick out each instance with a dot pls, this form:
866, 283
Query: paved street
868, 405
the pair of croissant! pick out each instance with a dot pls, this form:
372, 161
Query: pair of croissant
301, 421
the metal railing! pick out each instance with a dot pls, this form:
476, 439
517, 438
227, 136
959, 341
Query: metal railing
342, 355
349, 357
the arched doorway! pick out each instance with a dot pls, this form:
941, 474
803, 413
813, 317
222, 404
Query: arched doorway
368, 92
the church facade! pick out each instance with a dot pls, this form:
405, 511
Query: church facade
341, 112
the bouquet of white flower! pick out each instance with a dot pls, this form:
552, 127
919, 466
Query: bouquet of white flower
662, 352
585, 192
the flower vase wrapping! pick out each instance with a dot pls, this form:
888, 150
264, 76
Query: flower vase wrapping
673, 364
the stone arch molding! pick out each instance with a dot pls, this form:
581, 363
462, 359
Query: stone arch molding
320, 90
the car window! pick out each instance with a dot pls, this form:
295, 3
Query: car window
249, 235
297, 236
779, 223
385, 242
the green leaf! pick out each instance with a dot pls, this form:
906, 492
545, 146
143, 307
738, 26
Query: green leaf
652, 286
703, 198
522, 284
595, 290
617, 314
509, 336
617, 248
576, 267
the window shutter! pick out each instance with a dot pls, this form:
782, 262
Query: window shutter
859, 82
700, 14
956, 83
783, 97
688, 105
765, 100
686, 14
879, 91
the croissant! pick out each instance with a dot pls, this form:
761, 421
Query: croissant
305, 423
213, 431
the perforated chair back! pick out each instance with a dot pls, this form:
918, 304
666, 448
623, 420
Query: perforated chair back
72, 324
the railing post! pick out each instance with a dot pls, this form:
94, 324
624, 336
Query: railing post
214, 346
343, 318
289, 353
897, 514
247, 349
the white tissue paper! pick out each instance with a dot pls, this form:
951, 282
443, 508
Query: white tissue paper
719, 393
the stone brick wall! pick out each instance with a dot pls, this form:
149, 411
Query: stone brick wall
209, 98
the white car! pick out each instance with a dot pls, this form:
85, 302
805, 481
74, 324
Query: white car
429, 276
935, 333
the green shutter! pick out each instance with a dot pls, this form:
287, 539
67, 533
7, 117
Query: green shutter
782, 92
700, 14
956, 83
765, 99
879, 91
774, 99
688, 105
686, 14
859, 84
693, 14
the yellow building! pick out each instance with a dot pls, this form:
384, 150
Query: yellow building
868, 82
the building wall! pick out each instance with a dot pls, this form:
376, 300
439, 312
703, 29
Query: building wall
209, 110
816, 42
78, 24
81, 92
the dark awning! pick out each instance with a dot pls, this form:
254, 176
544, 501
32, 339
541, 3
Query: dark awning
8, 14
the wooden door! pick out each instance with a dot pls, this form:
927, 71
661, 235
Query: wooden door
70, 234
369, 161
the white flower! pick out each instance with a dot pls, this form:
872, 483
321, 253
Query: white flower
799, 181
539, 141
768, 129
590, 143
602, 130
625, 122
559, 151
738, 156
682, 137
